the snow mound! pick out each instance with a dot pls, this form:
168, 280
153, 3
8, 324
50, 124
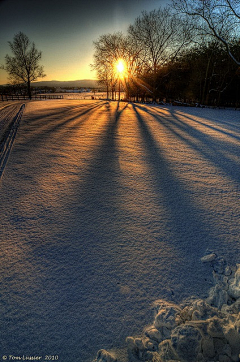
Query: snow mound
197, 330
105, 356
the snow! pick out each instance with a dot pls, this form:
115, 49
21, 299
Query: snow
105, 208
200, 330
8, 111
10, 116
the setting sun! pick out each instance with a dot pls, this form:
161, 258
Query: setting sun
120, 67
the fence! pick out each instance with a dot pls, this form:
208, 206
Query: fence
18, 97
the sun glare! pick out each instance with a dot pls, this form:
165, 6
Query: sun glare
120, 67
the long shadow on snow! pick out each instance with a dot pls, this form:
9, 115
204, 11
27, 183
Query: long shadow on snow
229, 132
77, 262
186, 218
218, 123
85, 258
220, 153
51, 126
188, 230
213, 116
97, 201
96, 256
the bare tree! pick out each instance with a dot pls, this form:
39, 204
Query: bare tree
109, 48
217, 18
23, 66
159, 35
153, 40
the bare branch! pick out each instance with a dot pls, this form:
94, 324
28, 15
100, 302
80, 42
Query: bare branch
23, 66
220, 16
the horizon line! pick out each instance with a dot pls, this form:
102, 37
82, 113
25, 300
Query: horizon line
55, 80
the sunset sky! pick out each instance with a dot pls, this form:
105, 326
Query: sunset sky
64, 30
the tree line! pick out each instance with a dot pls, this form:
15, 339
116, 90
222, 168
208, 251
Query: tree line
189, 52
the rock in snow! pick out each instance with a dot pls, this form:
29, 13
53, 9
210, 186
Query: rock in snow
209, 257
105, 356
196, 330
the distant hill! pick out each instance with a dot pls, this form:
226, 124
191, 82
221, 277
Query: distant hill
84, 83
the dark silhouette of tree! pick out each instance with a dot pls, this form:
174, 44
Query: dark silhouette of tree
159, 35
205, 75
109, 48
216, 18
23, 66
175, 57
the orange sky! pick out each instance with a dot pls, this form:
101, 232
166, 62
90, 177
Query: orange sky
65, 30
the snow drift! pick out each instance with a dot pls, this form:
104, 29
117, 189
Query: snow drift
196, 330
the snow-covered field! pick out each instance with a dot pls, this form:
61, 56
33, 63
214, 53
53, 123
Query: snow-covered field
105, 208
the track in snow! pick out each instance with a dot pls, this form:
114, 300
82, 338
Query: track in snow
10, 117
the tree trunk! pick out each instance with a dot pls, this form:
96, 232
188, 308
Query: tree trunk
204, 96
29, 89
154, 95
